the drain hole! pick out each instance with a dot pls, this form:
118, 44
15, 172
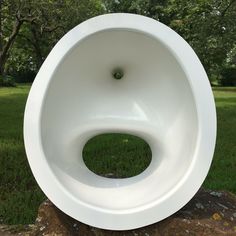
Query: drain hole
114, 155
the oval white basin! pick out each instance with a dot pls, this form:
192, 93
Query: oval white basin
163, 97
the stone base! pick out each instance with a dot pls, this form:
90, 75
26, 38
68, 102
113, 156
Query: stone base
208, 213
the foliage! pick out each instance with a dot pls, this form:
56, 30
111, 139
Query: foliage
29, 30
7, 81
228, 76
13, 14
209, 26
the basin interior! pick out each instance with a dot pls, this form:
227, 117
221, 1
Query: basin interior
153, 100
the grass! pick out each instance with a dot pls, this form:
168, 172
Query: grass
222, 174
19, 194
117, 155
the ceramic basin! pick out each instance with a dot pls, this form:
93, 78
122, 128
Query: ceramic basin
164, 97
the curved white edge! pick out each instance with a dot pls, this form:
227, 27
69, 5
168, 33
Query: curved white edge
178, 197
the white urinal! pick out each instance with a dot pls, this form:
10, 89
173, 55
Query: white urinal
163, 97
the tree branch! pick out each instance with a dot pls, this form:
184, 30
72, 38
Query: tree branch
227, 8
5, 48
51, 29
1, 34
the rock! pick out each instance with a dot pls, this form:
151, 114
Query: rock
208, 213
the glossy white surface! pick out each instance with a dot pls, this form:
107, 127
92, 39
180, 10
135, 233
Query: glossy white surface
164, 98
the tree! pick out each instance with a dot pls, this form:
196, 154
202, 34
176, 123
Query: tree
150, 8
31, 28
12, 16
209, 26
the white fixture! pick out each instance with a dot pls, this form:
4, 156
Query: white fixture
160, 94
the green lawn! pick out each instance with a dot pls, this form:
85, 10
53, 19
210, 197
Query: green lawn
19, 194
117, 155
222, 174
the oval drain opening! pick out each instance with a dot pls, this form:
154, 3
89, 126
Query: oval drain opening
117, 155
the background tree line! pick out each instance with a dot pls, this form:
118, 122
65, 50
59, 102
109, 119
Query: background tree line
30, 28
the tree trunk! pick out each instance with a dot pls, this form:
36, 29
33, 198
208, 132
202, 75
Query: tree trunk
36, 45
4, 49
1, 40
